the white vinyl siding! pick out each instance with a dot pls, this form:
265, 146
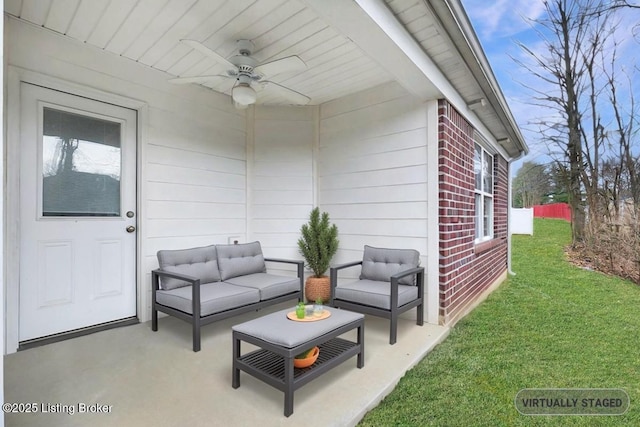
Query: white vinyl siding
372, 170
192, 156
208, 172
281, 177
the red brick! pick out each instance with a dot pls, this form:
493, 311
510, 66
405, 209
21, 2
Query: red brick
465, 274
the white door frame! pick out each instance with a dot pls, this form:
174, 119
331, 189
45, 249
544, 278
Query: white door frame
15, 76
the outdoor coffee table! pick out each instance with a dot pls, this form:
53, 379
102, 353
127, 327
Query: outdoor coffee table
280, 339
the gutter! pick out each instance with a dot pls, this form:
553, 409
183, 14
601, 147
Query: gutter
471, 50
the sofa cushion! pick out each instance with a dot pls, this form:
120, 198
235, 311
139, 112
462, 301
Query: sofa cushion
381, 263
196, 262
269, 285
214, 298
239, 260
375, 293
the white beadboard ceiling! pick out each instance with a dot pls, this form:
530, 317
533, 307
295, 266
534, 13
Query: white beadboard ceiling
149, 32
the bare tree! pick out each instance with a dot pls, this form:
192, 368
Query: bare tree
625, 134
573, 37
591, 126
578, 39
625, 3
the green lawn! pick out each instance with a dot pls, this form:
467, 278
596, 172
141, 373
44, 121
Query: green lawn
552, 325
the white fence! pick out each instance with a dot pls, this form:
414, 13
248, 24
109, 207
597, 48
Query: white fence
522, 221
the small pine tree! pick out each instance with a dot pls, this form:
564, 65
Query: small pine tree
319, 242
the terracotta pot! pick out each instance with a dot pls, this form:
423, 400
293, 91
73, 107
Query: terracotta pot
309, 360
317, 287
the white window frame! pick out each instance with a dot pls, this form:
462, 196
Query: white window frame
483, 178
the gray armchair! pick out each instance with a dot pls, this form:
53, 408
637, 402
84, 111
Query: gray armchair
390, 283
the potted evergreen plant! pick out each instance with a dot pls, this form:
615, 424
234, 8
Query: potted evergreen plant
318, 244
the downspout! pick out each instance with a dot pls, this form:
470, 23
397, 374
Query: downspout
509, 208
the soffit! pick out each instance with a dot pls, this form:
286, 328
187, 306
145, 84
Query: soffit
444, 32
149, 32
345, 51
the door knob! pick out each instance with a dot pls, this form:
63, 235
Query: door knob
131, 229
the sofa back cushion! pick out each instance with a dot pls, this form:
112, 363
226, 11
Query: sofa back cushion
200, 262
381, 263
240, 260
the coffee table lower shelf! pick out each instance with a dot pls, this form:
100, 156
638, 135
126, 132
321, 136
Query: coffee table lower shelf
269, 367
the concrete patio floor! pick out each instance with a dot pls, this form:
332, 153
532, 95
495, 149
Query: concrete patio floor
142, 378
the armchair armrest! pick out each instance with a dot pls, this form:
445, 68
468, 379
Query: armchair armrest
418, 272
409, 272
346, 265
333, 276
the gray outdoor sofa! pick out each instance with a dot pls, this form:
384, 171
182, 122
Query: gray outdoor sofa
391, 282
205, 284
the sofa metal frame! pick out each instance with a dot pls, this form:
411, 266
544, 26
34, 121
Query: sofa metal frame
195, 319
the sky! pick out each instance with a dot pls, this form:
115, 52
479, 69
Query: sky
500, 25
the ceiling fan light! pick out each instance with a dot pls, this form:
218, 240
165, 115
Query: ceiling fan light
243, 94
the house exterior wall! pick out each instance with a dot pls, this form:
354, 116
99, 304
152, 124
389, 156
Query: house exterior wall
209, 173
191, 152
280, 177
467, 269
372, 173
372, 170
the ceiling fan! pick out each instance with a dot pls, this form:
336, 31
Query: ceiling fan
250, 75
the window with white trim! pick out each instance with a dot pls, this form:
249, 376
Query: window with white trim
483, 169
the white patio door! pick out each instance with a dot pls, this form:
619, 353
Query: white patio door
77, 212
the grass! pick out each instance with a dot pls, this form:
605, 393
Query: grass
552, 325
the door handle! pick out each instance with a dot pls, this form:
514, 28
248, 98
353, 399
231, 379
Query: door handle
131, 229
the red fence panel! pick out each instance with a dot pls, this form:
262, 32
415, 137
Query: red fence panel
553, 210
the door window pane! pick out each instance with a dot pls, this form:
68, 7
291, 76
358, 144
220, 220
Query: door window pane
81, 159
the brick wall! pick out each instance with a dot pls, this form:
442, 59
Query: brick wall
466, 269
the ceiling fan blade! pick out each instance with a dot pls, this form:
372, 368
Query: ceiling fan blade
195, 79
284, 65
208, 52
294, 97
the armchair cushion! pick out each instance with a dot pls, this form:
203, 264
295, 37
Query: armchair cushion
379, 264
240, 260
197, 262
375, 293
